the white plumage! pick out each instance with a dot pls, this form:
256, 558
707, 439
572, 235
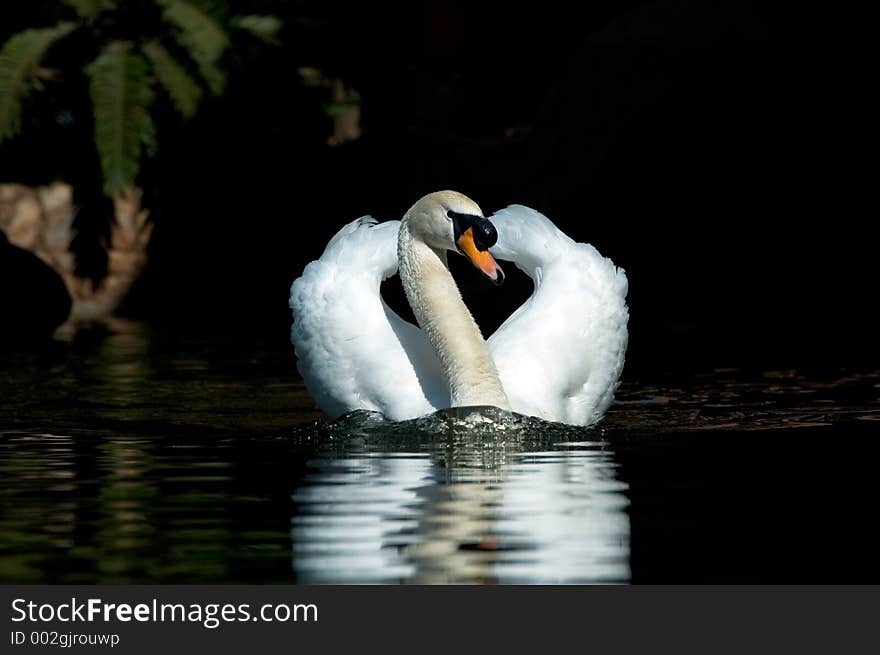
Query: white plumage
561, 353
559, 356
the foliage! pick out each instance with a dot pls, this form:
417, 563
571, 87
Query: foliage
122, 94
90, 9
184, 92
265, 28
179, 54
201, 36
19, 59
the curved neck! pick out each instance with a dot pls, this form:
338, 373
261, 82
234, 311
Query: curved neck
447, 323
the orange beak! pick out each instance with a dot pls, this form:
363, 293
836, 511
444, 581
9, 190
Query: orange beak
482, 259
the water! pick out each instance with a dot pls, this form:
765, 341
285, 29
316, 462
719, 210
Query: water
129, 458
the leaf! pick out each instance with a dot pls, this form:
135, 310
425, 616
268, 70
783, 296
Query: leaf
203, 38
89, 9
122, 95
265, 28
184, 92
19, 58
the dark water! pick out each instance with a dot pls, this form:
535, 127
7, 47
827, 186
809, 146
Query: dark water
125, 457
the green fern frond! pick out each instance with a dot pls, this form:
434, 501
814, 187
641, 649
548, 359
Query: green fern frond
89, 9
184, 92
265, 28
203, 38
19, 58
122, 94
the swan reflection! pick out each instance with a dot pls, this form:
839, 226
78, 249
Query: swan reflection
462, 509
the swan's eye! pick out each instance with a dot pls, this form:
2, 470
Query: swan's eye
450, 214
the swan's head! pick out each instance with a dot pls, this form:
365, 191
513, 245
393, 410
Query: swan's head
447, 220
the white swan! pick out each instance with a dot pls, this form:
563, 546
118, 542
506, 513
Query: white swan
557, 357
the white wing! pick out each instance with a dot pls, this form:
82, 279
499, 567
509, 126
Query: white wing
561, 353
353, 351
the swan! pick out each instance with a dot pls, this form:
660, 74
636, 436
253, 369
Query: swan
558, 357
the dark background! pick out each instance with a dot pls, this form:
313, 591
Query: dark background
710, 149
715, 150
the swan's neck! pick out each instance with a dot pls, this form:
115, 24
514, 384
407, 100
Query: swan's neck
447, 323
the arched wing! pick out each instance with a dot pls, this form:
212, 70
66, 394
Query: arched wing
353, 351
561, 353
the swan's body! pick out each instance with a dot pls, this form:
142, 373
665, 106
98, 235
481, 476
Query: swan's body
558, 357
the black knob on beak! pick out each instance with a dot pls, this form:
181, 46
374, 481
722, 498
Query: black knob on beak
485, 234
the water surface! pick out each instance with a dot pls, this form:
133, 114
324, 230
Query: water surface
130, 458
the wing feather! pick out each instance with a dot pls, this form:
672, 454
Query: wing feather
353, 351
561, 353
